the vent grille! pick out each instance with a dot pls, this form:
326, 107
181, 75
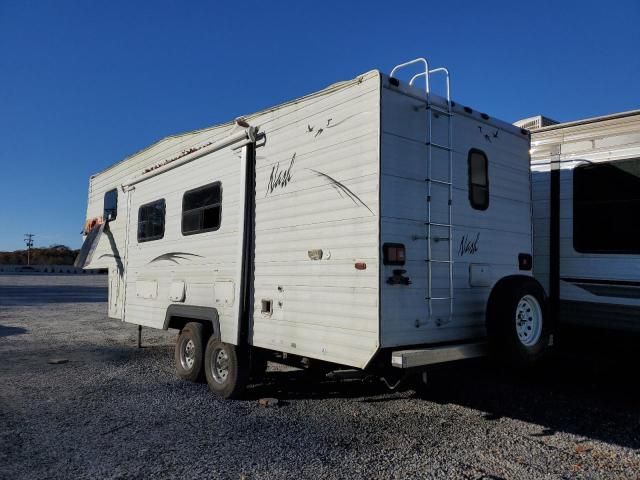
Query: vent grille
532, 123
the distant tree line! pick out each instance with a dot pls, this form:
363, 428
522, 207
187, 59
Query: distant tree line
53, 255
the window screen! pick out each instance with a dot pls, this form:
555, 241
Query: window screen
201, 209
478, 179
606, 202
110, 211
151, 221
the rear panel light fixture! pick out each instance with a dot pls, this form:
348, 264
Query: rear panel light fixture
525, 261
393, 254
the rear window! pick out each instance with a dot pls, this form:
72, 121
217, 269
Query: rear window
478, 179
151, 221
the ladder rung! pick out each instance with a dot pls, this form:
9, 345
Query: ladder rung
439, 110
448, 225
439, 261
441, 147
439, 298
435, 180
439, 239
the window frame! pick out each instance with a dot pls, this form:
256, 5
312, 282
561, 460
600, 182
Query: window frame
212, 205
475, 205
164, 221
578, 245
104, 209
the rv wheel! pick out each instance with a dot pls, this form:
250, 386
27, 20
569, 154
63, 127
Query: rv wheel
226, 368
517, 323
189, 353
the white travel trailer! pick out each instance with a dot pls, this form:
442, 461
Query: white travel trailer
586, 202
372, 224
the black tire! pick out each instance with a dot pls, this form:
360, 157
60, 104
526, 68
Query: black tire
227, 368
189, 352
519, 327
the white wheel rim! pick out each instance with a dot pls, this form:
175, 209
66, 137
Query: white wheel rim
219, 365
528, 320
188, 354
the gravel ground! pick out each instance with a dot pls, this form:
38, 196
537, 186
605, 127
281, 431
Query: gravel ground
116, 411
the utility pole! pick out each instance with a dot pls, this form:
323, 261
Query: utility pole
28, 239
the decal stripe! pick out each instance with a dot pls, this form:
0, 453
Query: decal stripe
596, 281
172, 256
337, 185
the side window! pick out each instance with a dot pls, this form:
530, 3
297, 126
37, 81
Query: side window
110, 210
606, 202
478, 179
202, 209
151, 221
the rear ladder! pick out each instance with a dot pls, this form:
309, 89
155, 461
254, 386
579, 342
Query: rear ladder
447, 112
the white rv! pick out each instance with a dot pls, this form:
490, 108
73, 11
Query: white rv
586, 191
372, 224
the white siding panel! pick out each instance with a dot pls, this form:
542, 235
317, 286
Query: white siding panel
324, 308
199, 260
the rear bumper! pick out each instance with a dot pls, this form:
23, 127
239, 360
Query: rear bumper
435, 355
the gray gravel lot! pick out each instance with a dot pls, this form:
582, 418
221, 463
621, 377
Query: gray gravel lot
116, 411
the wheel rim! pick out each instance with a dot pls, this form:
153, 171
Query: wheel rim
188, 354
528, 320
220, 365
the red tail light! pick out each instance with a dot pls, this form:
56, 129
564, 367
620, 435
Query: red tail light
525, 261
393, 254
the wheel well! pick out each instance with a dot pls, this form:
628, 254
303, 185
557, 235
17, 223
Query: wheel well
178, 323
178, 316
505, 283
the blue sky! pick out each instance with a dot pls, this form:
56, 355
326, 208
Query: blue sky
84, 84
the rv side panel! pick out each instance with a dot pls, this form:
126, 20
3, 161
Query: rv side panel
599, 284
109, 251
174, 263
316, 226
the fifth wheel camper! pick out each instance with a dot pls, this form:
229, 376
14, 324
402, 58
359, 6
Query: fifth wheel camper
373, 224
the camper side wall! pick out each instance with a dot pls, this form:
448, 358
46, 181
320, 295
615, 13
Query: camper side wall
105, 187
316, 226
314, 289
184, 243
593, 200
